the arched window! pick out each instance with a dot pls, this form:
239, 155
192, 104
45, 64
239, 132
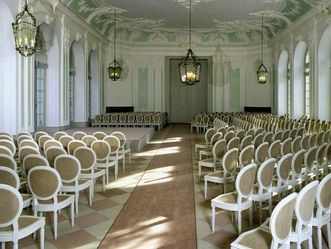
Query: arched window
289, 89
307, 84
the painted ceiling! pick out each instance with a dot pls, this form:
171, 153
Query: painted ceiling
212, 20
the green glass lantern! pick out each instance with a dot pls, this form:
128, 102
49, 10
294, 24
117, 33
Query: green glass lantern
26, 32
115, 70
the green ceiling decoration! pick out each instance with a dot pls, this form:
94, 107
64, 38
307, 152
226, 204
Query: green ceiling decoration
214, 21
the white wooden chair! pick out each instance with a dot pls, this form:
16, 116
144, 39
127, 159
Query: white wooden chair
45, 184
13, 225
239, 200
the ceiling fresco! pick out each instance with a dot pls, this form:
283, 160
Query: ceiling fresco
213, 21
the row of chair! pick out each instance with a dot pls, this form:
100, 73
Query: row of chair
157, 120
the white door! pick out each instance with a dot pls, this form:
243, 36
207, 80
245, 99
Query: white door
185, 101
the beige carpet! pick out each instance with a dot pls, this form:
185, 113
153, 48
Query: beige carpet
160, 213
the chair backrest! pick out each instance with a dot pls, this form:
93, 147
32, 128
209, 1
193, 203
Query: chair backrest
5, 151
281, 219
245, 180
6, 137
219, 149
13, 199
268, 137
217, 136
59, 134
64, 140
23, 133
44, 183
114, 144
298, 162
38, 134
101, 149
99, 135
250, 132
258, 131
304, 143
320, 138
9, 144
32, 161
258, 139
233, 143
8, 161
42, 140
9, 177
53, 152
265, 173
327, 136
304, 205
313, 140
221, 130
274, 149
261, 153
208, 135
121, 137
286, 134
286, 146
277, 136
74, 144
328, 153
78, 135
320, 154
240, 134
310, 158
229, 135
86, 157
323, 197
296, 145
23, 137
283, 167
247, 140
68, 167
30, 143
89, 139
246, 156
52, 143
230, 161
25, 151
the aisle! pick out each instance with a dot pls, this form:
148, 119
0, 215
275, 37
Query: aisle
160, 212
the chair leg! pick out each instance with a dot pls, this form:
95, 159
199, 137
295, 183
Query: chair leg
116, 169
270, 204
206, 186
90, 193
55, 224
328, 226
107, 175
260, 211
3, 245
251, 216
42, 237
213, 219
319, 236
76, 201
298, 245
239, 222
310, 242
199, 170
15, 244
72, 214
103, 183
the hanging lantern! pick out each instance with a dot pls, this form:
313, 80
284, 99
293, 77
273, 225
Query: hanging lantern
262, 72
189, 67
25, 32
115, 68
